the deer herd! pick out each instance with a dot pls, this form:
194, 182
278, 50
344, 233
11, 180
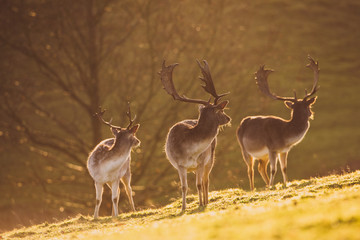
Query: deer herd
190, 144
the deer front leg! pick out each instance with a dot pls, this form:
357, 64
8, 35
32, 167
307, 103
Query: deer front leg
126, 179
184, 186
206, 183
273, 167
205, 187
206, 175
99, 192
199, 184
283, 164
115, 194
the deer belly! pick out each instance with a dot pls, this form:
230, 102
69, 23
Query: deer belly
259, 153
255, 149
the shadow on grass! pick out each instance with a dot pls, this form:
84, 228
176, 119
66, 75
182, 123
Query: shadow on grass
198, 210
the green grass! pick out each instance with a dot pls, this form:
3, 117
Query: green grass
316, 208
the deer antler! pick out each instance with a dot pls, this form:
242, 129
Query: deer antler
314, 65
100, 114
261, 80
166, 79
207, 79
128, 114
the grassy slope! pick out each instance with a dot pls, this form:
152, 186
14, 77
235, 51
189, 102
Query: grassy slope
320, 208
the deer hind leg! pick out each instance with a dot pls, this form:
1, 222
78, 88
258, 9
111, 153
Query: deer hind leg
126, 179
283, 164
99, 192
250, 165
184, 186
262, 167
273, 167
115, 195
199, 184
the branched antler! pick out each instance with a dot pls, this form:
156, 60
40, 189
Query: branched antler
100, 116
207, 79
128, 114
261, 80
166, 79
314, 65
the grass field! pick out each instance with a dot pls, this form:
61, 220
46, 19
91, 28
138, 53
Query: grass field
316, 208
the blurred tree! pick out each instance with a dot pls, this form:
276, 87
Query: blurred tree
56, 73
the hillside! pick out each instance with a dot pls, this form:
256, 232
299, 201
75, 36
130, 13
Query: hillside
320, 208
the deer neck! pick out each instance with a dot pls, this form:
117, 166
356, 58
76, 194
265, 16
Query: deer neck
119, 148
298, 124
205, 129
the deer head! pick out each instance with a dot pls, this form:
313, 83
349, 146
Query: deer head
122, 134
213, 110
302, 106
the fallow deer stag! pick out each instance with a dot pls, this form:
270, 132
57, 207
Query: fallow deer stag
268, 138
110, 161
190, 144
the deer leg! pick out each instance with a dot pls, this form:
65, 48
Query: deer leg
184, 186
206, 183
283, 164
207, 170
126, 179
249, 162
250, 165
262, 167
199, 184
272, 159
99, 192
205, 187
115, 194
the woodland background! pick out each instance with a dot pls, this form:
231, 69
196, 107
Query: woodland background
60, 60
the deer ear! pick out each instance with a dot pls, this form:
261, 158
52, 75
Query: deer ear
222, 105
114, 131
289, 104
201, 107
134, 129
311, 101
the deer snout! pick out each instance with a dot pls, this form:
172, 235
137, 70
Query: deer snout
225, 119
228, 119
136, 142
